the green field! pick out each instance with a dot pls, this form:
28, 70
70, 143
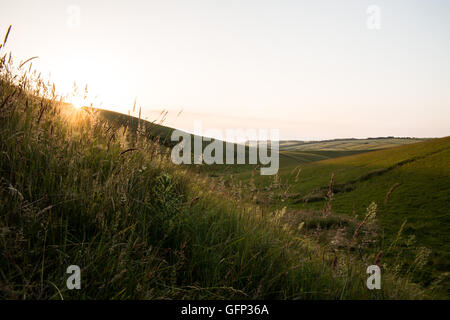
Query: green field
419, 176
296, 157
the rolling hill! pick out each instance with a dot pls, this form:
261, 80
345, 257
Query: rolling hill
291, 152
410, 184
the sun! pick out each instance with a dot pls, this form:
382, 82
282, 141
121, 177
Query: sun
78, 102
77, 106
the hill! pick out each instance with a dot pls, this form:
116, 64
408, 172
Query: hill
288, 155
410, 185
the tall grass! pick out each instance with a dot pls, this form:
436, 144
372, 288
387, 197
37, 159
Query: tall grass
74, 190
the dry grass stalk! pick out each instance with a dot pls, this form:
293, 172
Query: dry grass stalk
371, 212
388, 195
330, 197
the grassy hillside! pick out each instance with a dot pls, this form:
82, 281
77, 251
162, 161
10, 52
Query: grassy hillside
73, 192
152, 129
410, 184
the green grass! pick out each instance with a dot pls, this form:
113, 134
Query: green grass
419, 176
73, 192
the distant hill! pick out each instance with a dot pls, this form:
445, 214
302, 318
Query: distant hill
291, 152
347, 144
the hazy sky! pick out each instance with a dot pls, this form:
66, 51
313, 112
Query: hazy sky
313, 69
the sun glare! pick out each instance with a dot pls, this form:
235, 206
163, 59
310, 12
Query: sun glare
77, 106
78, 103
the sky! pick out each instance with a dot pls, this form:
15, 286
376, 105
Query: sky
314, 70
